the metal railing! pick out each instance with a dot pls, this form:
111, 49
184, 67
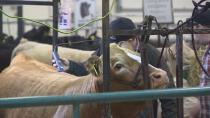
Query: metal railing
107, 97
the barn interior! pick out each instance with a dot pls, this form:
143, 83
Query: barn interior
172, 27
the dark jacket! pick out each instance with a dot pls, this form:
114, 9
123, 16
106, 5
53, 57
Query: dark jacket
77, 69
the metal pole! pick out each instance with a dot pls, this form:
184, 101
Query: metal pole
55, 25
1, 21
118, 6
159, 41
20, 21
76, 111
145, 73
179, 72
158, 31
144, 57
24, 2
106, 55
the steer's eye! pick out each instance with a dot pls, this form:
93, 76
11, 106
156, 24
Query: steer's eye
118, 66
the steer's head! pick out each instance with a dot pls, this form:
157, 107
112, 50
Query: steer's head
124, 64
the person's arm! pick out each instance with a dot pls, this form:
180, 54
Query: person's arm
71, 67
77, 69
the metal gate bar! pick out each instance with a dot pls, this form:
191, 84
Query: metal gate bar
106, 112
55, 25
18, 2
179, 71
158, 31
140, 95
20, 22
1, 21
76, 110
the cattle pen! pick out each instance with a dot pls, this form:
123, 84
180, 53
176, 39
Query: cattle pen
108, 97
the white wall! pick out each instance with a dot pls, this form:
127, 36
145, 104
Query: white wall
32, 12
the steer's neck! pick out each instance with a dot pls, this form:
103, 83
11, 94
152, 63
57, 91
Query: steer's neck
120, 110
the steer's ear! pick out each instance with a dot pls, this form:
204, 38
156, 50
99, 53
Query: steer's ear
93, 65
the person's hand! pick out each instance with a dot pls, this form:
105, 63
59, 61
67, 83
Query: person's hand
64, 62
56, 62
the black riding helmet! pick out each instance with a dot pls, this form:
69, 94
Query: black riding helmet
121, 23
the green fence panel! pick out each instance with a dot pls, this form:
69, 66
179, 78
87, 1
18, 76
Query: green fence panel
102, 97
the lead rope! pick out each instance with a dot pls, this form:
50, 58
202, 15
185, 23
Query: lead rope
162, 50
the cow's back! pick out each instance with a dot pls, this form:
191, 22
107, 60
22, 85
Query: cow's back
43, 52
39, 80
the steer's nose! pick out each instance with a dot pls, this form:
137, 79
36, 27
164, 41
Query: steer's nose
159, 78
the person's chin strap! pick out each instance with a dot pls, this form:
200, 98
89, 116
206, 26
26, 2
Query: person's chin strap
137, 45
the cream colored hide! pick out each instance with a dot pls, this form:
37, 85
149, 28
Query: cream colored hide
43, 52
190, 65
170, 56
29, 77
191, 69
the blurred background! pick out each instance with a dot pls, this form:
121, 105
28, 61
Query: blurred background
134, 9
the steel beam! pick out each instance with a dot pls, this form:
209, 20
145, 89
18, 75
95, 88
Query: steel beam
18, 2
128, 96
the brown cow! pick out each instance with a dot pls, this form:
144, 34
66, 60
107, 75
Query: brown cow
28, 77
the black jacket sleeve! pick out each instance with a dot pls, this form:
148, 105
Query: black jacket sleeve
168, 105
77, 69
